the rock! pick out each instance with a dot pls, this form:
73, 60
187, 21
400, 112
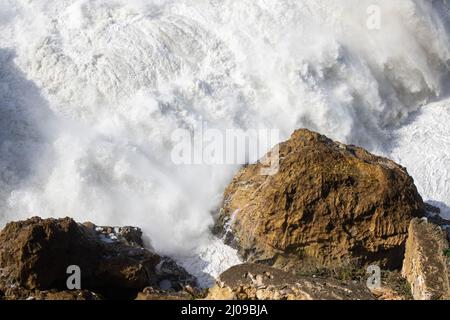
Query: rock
150, 293
67, 295
23, 294
131, 236
35, 254
385, 293
431, 209
329, 203
171, 276
438, 220
441, 222
260, 282
426, 266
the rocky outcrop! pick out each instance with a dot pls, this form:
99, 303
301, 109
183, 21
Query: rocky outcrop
441, 222
19, 293
259, 282
329, 203
426, 266
187, 293
35, 255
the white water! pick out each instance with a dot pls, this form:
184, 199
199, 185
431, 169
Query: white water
91, 90
423, 146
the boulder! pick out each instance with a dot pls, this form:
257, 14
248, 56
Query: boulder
260, 282
426, 266
35, 255
329, 204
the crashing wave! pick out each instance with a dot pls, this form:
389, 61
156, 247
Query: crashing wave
91, 90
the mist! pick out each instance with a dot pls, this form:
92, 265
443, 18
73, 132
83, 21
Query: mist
91, 92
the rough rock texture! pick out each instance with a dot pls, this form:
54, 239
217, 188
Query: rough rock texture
385, 293
443, 223
426, 267
35, 254
188, 293
18, 293
329, 203
259, 282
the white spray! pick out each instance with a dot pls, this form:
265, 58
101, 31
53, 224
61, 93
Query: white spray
91, 90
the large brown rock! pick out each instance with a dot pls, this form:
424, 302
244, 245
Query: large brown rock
329, 203
35, 255
426, 266
260, 282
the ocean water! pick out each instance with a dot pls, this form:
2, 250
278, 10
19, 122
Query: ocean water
92, 90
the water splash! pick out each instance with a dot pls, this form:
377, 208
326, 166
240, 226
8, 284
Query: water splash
116, 78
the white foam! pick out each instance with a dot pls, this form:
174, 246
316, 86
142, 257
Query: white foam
423, 147
90, 92
207, 262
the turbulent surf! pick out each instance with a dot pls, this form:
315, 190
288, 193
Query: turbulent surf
91, 91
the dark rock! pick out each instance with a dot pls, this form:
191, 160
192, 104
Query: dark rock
18, 293
438, 220
35, 254
431, 209
131, 236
